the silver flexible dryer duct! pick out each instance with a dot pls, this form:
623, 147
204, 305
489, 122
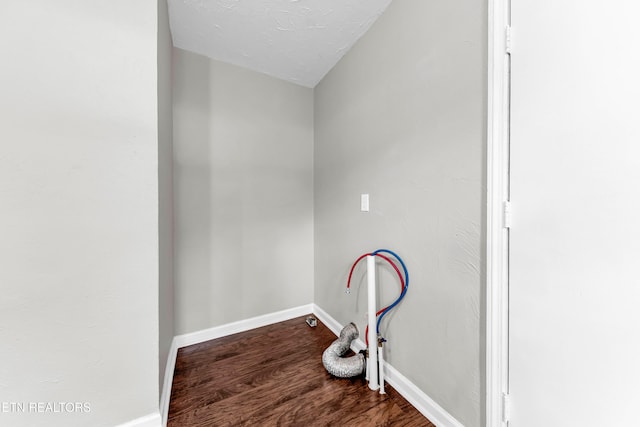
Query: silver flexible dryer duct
344, 367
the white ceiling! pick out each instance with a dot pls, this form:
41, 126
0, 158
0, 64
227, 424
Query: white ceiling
294, 40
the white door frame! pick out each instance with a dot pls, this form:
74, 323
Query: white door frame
497, 296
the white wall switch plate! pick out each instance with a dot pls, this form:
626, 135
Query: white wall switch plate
364, 203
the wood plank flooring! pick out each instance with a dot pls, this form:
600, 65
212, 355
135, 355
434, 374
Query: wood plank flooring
273, 376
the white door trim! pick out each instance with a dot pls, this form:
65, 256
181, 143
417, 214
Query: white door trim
497, 297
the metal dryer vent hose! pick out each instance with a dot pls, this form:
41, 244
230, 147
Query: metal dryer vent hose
344, 367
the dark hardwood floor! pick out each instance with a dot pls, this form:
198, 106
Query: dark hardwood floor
273, 376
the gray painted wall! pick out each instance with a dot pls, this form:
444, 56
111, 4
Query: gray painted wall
243, 182
402, 117
79, 216
165, 186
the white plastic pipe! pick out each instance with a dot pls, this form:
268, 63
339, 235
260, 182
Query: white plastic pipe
381, 368
372, 366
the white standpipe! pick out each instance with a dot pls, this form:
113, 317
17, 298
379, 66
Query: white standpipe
372, 366
381, 368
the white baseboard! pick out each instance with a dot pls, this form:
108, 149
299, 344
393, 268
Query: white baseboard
241, 326
419, 399
197, 337
168, 381
151, 420
331, 323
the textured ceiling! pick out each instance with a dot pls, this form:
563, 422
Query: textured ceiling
294, 40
